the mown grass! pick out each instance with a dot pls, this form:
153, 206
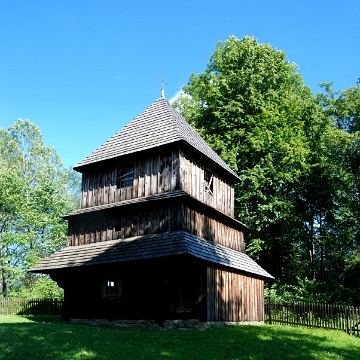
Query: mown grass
48, 338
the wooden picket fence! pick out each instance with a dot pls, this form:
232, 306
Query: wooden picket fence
338, 317
11, 306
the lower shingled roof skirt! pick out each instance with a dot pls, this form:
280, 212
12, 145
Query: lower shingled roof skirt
149, 246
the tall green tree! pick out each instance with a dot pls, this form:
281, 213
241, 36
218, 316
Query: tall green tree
298, 158
36, 190
250, 104
11, 237
342, 108
321, 238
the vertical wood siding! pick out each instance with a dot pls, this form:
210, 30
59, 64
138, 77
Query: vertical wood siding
221, 295
234, 297
192, 181
156, 174
210, 228
121, 223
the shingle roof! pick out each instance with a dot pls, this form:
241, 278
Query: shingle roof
158, 125
170, 195
144, 199
148, 247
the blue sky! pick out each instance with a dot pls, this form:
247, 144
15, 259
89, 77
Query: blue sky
81, 70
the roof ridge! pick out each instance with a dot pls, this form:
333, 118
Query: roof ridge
181, 124
159, 124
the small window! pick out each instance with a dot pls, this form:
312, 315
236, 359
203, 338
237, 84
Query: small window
111, 287
125, 176
208, 181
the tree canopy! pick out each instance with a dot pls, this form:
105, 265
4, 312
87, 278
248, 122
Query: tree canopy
296, 155
35, 190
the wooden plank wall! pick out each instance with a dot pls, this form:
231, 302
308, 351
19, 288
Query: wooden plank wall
156, 174
234, 297
119, 223
210, 228
192, 181
99, 227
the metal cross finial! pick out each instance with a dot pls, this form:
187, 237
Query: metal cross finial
163, 83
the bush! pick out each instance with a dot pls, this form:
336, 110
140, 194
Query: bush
43, 287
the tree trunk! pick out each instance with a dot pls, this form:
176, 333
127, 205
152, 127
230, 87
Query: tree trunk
312, 250
3, 279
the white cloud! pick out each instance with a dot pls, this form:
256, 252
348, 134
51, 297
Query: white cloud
175, 97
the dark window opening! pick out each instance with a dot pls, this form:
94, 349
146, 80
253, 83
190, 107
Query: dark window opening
111, 287
125, 176
208, 181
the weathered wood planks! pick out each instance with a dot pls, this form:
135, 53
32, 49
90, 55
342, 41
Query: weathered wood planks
192, 181
158, 173
234, 297
152, 218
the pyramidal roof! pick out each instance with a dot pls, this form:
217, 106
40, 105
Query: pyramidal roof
158, 125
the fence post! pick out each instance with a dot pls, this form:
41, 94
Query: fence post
269, 310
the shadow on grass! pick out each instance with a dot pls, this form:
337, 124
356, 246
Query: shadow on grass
48, 338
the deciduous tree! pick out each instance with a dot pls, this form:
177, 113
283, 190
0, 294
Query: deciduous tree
298, 158
251, 104
35, 190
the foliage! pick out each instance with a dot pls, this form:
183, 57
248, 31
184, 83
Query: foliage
303, 289
298, 158
250, 104
352, 278
46, 338
43, 287
342, 108
35, 190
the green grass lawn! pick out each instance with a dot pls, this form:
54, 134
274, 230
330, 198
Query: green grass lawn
48, 338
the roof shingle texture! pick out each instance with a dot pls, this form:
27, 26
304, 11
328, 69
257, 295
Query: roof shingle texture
158, 125
170, 195
149, 247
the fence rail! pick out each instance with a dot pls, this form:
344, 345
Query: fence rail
338, 317
10, 306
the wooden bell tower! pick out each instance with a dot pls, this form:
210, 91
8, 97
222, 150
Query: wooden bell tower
155, 234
